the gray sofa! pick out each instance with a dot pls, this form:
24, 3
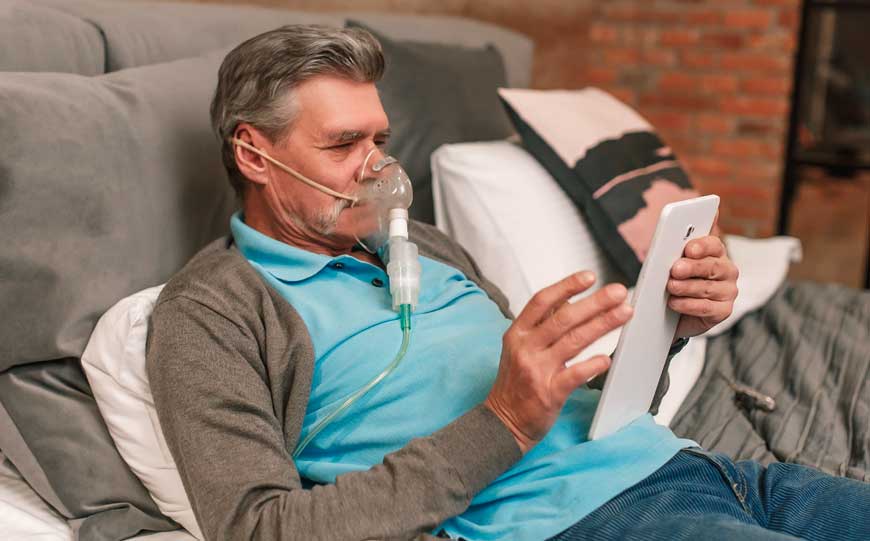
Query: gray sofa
110, 179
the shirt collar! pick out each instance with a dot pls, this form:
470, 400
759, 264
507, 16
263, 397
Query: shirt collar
285, 262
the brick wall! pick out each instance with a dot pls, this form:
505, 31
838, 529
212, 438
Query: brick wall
713, 76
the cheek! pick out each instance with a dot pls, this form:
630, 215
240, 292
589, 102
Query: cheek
338, 175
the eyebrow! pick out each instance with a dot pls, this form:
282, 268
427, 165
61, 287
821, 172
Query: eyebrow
348, 136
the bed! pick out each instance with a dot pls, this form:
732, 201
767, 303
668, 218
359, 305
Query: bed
108, 175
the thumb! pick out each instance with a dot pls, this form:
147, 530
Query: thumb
568, 379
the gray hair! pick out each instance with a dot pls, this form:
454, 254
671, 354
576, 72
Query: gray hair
256, 78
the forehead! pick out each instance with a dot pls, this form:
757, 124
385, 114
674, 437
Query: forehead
329, 105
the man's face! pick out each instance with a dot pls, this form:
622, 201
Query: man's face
338, 122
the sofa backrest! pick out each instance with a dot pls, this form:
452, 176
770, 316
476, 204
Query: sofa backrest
139, 33
38, 38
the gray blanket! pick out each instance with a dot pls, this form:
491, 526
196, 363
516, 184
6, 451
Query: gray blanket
808, 349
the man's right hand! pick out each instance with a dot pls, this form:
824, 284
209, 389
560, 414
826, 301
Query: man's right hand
533, 383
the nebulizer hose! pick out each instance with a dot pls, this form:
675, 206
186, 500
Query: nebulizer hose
405, 317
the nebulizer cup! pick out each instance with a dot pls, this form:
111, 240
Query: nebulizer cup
386, 190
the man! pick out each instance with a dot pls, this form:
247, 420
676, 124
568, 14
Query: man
481, 431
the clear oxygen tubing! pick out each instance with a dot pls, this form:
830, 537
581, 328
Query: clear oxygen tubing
405, 318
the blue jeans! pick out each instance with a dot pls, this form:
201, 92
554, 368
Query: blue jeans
704, 495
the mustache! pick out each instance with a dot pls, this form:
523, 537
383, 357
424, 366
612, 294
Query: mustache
327, 221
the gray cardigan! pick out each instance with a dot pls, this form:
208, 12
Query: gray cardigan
230, 364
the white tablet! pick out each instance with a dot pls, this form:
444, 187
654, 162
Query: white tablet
645, 340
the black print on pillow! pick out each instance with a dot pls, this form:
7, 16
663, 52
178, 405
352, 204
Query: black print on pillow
632, 178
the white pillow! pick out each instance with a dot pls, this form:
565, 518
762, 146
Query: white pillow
498, 202
114, 363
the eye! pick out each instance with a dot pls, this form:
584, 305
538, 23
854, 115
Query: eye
381, 143
343, 146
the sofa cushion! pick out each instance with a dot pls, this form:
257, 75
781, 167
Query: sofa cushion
38, 38
108, 184
435, 94
51, 430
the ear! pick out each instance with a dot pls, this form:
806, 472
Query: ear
251, 164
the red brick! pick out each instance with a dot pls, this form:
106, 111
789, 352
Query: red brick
746, 148
789, 19
731, 191
755, 62
715, 124
600, 76
731, 226
770, 86
785, 3
603, 33
756, 19
678, 101
634, 14
625, 95
668, 120
703, 17
678, 38
755, 106
697, 59
763, 173
683, 144
619, 12
782, 42
723, 40
675, 81
766, 228
621, 56
713, 84
709, 166
771, 128
658, 57
725, 84
753, 209
640, 36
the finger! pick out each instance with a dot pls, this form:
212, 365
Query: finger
708, 246
701, 308
549, 299
577, 339
717, 290
709, 268
568, 379
573, 314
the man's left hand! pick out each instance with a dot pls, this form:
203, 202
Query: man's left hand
703, 286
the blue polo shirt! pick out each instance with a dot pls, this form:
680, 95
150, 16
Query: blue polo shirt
449, 368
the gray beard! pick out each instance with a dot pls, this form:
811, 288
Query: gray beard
326, 221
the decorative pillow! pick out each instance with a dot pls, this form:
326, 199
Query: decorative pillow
608, 160
114, 362
434, 94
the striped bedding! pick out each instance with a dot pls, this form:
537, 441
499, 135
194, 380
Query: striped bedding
809, 349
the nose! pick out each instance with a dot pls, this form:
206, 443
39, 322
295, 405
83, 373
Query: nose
374, 155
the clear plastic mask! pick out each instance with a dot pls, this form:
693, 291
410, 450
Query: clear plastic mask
384, 186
